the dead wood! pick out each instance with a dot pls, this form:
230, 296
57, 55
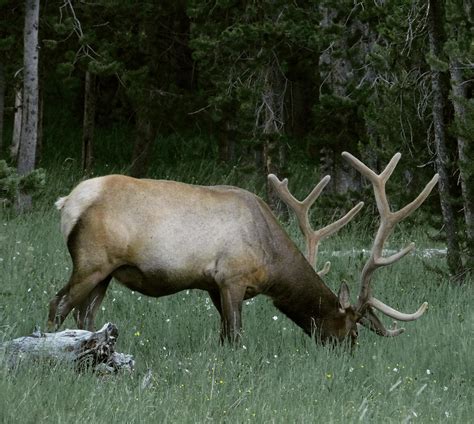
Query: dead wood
84, 349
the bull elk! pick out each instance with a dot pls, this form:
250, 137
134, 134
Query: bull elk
162, 237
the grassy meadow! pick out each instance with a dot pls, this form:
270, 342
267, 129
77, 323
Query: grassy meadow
277, 375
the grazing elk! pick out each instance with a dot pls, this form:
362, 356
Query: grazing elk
162, 237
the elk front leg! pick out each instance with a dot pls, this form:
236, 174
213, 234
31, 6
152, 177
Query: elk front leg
216, 300
231, 298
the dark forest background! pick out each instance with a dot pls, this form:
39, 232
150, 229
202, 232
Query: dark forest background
248, 88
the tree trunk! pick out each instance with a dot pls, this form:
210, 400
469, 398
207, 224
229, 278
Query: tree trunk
89, 122
2, 105
337, 72
226, 143
466, 171
145, 136
439, 83
29, 132
344, 176
17, 124
39, 143
273, 121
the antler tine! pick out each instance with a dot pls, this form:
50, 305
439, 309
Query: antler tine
388, 220
415, 204
367, 172
330, 229
387, 172
301, 210
325, 232
317, 190
361, 167
372, 322
325, 270
393, 313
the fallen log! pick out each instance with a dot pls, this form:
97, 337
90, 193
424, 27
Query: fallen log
83, 349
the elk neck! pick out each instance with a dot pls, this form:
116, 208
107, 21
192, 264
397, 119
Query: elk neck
301, 294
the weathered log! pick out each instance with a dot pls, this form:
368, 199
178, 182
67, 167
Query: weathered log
83, 349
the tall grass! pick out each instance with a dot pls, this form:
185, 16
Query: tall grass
277, 375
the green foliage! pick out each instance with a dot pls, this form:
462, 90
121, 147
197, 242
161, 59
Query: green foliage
11, 44
235, 44
356, 76
11, 183
101, 68
436, 63
7, 42
50, 44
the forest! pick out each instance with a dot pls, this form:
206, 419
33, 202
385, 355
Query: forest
225, 92
265, 87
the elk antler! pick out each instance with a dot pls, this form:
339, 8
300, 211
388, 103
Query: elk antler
388, 220
301, 210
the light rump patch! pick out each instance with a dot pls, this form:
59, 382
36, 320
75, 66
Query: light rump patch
73, 206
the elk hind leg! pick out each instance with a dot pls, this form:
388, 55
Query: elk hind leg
80, 285
84, 314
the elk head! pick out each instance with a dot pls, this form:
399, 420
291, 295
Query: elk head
344, 323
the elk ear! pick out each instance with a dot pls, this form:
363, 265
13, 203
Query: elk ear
344, 298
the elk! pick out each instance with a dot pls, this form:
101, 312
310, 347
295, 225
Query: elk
161, 237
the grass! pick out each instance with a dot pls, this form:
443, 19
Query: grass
277, 375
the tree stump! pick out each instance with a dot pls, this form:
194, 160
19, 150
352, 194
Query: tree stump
83, 349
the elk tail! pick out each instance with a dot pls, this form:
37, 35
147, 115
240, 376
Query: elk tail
60, 203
